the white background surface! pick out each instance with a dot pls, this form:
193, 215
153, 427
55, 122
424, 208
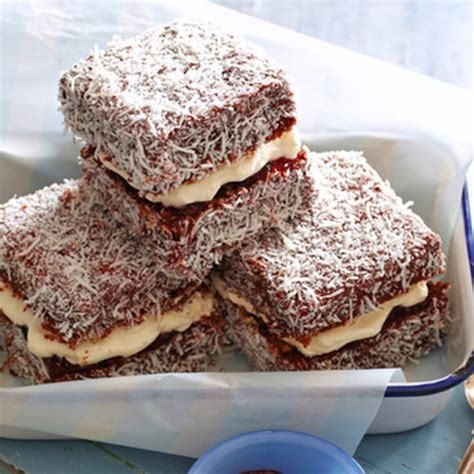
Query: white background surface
433, 37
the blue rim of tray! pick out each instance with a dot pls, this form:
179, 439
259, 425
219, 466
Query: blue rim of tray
467, 369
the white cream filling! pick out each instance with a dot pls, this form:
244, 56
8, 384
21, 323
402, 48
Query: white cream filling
122, 341
286, 146
360, 327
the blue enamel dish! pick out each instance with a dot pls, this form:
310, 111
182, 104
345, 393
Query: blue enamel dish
283, 451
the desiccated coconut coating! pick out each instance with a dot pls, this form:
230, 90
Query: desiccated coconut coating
80, 272
195, 237
357, 247
408, 334
191, 351
174, 103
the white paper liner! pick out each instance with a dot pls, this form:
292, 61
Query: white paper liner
188, 413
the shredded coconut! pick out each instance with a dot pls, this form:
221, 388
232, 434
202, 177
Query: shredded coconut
191, 242
412, 334
172, 104
194, 350
79, 271
357, 247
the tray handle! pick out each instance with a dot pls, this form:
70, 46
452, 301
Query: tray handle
437, 386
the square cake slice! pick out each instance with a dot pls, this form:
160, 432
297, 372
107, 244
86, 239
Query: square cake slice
325, 290
191, 239
81, 296
178, 103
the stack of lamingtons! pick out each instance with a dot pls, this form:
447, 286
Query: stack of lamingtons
199, 214
191, 147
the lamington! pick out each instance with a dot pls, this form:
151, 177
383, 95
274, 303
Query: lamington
190, 137
349, 284
82, 297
